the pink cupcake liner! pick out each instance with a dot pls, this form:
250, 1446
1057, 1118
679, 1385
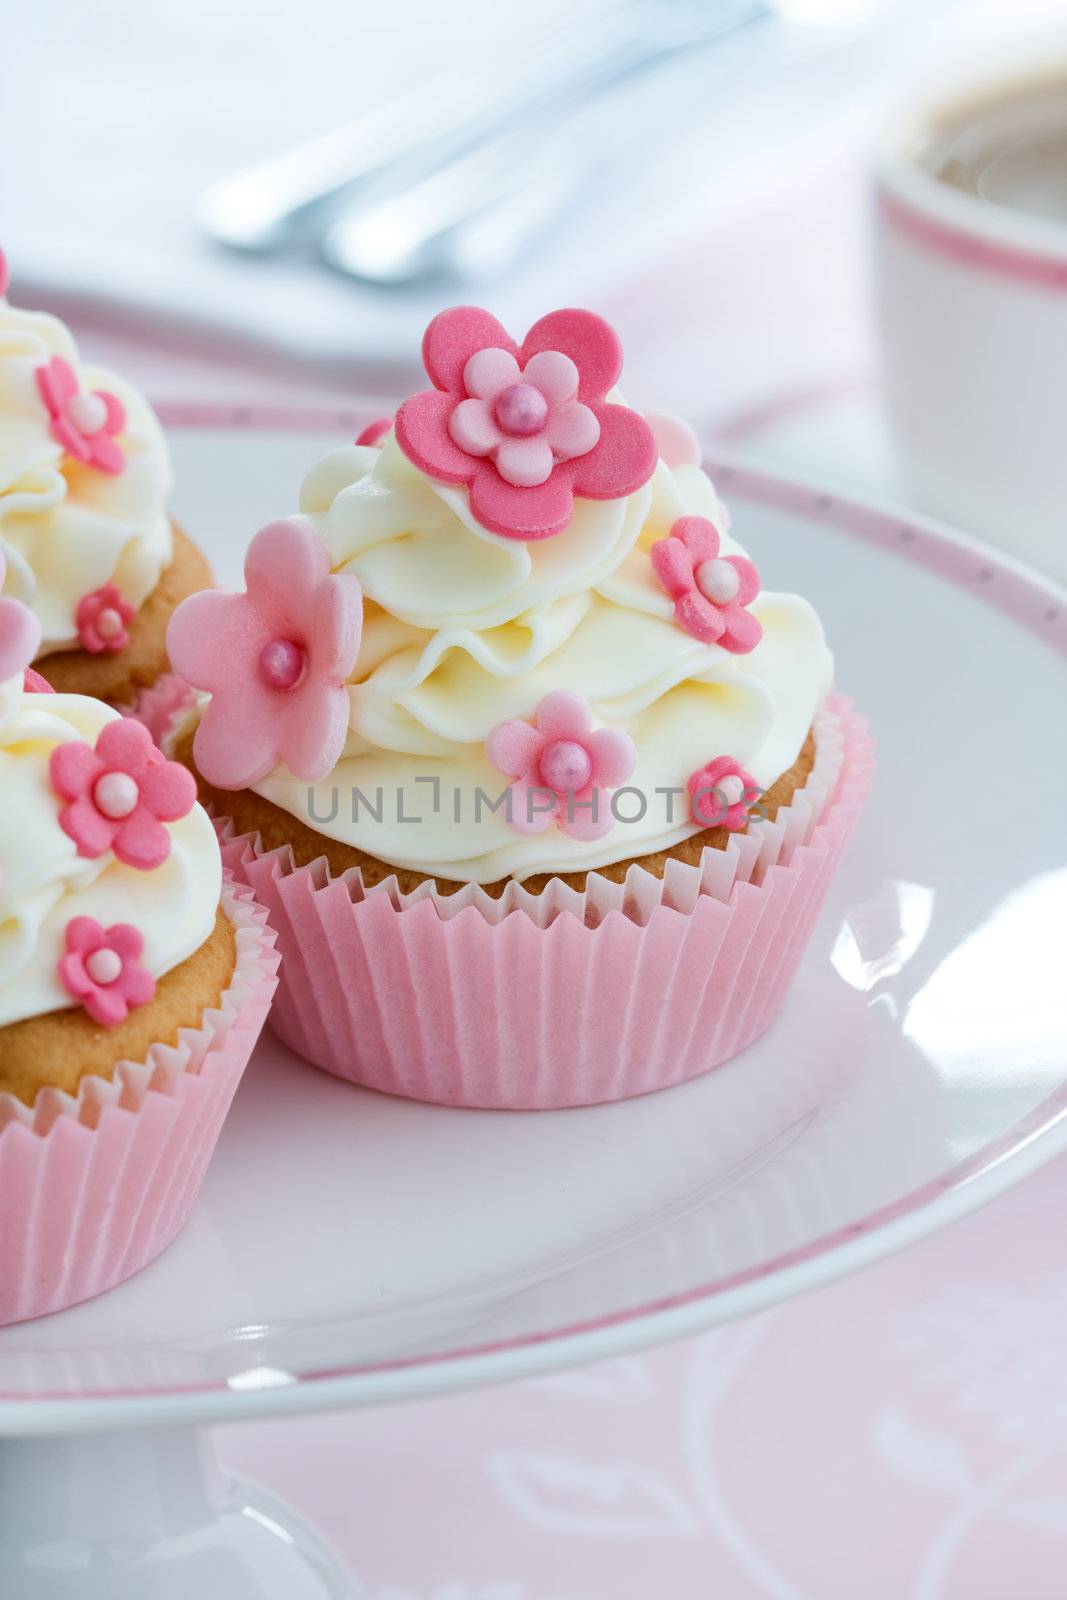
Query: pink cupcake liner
94, 1186
563, 998
161, 705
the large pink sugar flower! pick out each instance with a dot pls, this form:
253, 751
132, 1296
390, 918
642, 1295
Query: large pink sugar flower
274, 660
84, 423
527, 426
721, 793
120, 794
20, 633
710, 592
102, 620
562, 771
102, 969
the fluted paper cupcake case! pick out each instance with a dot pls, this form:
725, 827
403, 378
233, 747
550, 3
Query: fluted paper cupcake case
158, 705
94, 1186
563, 998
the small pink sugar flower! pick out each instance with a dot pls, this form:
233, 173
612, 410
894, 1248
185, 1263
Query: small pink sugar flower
20, 633
721, 793
710, 592
33, 683
562, 770
527, 427
120, 794
102, 969
274, 659
102, 620
85, 424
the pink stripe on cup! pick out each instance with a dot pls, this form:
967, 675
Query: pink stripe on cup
1008, 261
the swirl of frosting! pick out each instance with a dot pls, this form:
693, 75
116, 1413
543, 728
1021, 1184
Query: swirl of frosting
44, 883
464, 630
67, 528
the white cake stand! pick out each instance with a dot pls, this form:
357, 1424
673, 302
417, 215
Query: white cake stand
351, 1249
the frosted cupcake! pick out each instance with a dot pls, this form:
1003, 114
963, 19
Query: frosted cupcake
542, 787
133, 984
84, 481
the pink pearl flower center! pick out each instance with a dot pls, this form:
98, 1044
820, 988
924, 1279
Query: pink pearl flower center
115, 794
87, 412
718, 581
566, 767
521, 409
109, 623
281, 664
104, 966
730, 790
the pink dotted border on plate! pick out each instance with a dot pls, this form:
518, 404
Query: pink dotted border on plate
1024, 596
1021, 594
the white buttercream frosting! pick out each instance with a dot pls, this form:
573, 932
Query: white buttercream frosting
44, 882
66, 529
464, 629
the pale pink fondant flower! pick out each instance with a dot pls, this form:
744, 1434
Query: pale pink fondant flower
101, 620
84, 423
20, 633
562, 770
710, 592
676, 442
274, 659
526, 426
721, 793
102, 969
120, 794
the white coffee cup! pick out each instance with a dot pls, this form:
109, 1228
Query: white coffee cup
972, 300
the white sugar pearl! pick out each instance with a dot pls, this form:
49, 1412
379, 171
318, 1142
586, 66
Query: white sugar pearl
109, 623
730, 790
115, 794
87, 412
718, 580
104, 965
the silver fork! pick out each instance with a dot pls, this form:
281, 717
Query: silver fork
417, 171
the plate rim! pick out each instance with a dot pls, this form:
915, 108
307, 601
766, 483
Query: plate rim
1033, 601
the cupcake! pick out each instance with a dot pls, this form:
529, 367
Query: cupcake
134, 982
541, 786
84, 480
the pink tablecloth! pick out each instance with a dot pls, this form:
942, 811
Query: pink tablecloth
899, 1436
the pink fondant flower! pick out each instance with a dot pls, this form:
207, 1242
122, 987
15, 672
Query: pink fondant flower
101, 620
562, 770
85, 424
102, 969
20, 633
275, 660
33, 683
375, 431
710, 592
526, 426
721, 793
120, 794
